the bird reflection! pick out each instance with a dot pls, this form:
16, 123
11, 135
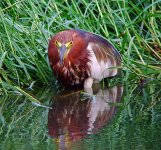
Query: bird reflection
72, 117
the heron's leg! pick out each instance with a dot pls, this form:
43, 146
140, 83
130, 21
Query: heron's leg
88, 91
88, 83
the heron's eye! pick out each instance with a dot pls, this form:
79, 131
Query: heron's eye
57, 43
69, 44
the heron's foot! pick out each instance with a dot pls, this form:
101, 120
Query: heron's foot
87, 94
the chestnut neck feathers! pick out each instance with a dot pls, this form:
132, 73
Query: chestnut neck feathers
74, 69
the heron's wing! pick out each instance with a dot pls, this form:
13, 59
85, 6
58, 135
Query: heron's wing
106, 53
104, 50
104, 58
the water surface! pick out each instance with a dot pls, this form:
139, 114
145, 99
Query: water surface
113, 118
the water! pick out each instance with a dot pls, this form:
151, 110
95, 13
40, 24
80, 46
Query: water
111, 118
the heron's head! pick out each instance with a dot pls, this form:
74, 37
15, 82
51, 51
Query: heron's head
64, 42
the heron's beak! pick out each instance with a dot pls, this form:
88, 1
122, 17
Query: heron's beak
62, 52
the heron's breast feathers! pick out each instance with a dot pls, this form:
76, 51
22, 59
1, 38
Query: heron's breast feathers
70, 73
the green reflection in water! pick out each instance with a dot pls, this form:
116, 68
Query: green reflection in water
136, 124
23, 125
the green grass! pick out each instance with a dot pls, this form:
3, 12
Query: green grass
27, 25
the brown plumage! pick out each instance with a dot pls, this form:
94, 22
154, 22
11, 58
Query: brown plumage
78, 57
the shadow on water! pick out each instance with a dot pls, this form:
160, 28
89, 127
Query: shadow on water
74, 115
